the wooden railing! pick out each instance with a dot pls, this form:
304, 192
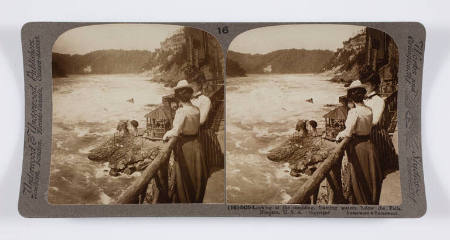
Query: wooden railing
131, 195
329, 169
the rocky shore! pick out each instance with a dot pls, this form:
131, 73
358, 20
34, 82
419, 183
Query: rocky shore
126, 154
303, 154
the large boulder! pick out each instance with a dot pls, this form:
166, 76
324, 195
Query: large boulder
126, 153
283, 152
303, 155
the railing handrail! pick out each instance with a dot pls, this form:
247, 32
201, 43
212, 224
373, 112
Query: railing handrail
140, 184
310, 186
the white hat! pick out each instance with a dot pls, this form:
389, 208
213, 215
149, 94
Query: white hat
355, 84
183, 84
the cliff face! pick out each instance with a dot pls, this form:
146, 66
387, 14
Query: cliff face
185, 53
167, 66
348, 60
234, 69
282, 61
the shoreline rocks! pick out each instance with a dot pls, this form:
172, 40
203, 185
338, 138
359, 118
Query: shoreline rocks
303, 154
125, 154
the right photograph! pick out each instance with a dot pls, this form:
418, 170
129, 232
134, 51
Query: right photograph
311, 116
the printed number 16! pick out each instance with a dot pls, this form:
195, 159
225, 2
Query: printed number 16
223, 30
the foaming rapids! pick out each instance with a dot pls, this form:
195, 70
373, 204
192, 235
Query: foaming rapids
261, 113
86, 110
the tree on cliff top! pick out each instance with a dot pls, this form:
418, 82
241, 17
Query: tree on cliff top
234, 69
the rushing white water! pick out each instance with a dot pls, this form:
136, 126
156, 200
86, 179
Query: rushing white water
261, 112
86, 110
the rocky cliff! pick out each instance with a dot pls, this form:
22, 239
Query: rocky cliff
234, 69
348, 60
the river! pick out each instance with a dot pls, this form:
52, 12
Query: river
261, 113
86, 110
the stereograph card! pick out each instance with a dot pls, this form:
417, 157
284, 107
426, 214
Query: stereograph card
222, 119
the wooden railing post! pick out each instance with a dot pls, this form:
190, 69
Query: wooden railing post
138, 186
336, 195
309, 187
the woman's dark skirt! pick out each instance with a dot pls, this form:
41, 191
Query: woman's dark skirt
191, 173
365, 173
213, 152
385, 150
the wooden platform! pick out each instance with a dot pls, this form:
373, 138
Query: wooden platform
391, 192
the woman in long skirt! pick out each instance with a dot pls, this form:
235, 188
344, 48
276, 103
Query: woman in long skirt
379, 136
213, 153
190, 167
365, 172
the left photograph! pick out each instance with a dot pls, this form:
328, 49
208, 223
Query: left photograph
138, 116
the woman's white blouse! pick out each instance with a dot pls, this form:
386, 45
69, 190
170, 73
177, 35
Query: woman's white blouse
376, 103
359, 122
186, 121
204, 105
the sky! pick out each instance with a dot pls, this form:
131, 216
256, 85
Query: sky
308, 36
86, 39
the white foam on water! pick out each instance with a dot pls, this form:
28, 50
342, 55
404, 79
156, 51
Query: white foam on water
104, 198
59, 143
81, 132
86, 110
106, 133
136, 174
97, 98
285, 197
66, 180
267, 133
276, 98
86, 150
247, 180
265, 150
282, 171
268, 178
102, 171
238, 144
233, 188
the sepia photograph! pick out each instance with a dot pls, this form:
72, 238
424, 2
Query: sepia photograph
138, 116
311, 116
